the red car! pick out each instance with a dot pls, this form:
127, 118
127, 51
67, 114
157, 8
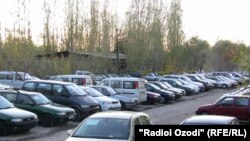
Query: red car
229, 105
153, 97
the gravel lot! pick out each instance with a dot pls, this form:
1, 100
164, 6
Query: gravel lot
168, 114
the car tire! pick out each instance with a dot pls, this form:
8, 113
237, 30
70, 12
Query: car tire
3, 129
77, 115
122, 105
100, 108
46, 121
224, 86
162, 100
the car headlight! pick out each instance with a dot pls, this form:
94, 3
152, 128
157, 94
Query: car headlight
16, 120
105, 102
84, 106
61, 114
35, 117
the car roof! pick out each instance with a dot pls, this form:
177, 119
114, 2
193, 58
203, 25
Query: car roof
208, 119
73, 76
117, 114
126, 79
50, 81
20, 91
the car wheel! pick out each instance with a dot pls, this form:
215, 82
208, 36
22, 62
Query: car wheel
77, 115
46, 121
156, 79
224, 86
3, 129
122, 105
162, 100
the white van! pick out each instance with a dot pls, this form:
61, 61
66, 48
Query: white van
80, 80
13, 78
129, 87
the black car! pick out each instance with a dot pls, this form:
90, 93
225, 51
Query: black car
13, 119
178, 94
168, 96
49, 113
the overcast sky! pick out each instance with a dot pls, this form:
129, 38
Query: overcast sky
210, 20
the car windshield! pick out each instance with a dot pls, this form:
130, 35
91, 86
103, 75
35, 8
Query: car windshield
74, 90
92, 92
166, 84
25, 76
40, 99
182, 82
104, 128
5, 104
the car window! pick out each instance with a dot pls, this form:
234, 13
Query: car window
144, 120
105, 128
44, 88
58, 90
226, 101
137, 121
29, 86
24, 99
242, 101
128, 85
11, 97
116, 84
9, 76
2, 76
104, 83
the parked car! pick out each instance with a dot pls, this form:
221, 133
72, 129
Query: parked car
49, 114
129, 87
166, 95
65, 93
153, 97
178, 94
80, 80
126, 102
105, 103
152, 77
13, 119
175, 83
4, 86
210, 120
13, 78
109, 125
229, 105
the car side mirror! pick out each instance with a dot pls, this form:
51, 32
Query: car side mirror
69, 132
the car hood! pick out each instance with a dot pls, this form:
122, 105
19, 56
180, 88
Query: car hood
56, 107
16, 113
91, 139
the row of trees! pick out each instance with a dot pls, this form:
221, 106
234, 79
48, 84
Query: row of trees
150, 35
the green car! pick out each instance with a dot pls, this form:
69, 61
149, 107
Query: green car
49, 113
13, 119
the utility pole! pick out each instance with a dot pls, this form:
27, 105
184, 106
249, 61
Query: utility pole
117, 55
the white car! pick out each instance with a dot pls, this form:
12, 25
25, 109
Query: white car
105, 103
109, 126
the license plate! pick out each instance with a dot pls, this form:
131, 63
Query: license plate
71, 116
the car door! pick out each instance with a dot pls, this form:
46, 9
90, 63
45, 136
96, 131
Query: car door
60, 95
26, 103
241, 108
224, 107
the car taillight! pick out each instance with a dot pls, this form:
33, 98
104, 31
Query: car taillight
136, 85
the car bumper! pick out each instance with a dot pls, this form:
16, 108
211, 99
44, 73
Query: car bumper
22, 126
